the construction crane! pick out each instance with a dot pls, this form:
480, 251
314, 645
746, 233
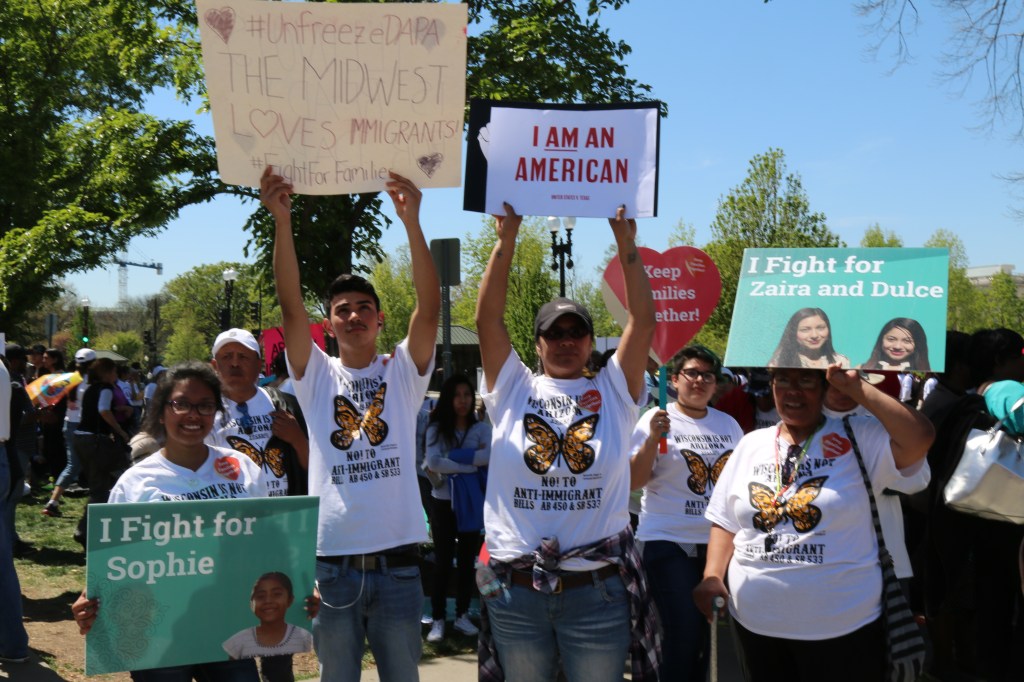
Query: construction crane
122, 275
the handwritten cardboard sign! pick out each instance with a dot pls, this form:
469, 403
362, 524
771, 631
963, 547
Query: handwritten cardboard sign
866, 308
686, 286
582, 160
175, 579
335, 96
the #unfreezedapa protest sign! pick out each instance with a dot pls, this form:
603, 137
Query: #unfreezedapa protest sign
174, 578
334, 96
861, 293
582, 160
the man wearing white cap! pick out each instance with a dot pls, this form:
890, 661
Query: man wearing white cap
263, 423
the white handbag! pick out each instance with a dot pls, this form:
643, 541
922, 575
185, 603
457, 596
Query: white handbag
989, 480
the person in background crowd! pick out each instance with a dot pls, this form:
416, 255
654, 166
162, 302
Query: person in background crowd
793, 534
970, 578
51, 423
22, 443
150, 389
565, 585
359, 405
677, 485
69, 474
264, 424
13, 636
35, 363
457, 444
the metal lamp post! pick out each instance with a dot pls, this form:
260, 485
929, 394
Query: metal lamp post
561, 251
230, 275
85, 320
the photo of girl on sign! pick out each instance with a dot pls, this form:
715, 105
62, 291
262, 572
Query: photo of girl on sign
807, 342
273, 639
902, 344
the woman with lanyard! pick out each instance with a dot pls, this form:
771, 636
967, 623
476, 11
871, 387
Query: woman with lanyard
677, 485
182, 413
792, 530
457, 444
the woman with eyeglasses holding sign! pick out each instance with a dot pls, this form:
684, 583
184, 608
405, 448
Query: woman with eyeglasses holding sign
792, 531
186, 468
677, 485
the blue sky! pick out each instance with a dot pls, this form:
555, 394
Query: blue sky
871, 145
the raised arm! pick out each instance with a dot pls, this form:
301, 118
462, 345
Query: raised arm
910, 432
490, 303
423, 322
635, 345
275, 194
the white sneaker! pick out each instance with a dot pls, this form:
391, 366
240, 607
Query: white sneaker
436, 631
426, 620
464, 625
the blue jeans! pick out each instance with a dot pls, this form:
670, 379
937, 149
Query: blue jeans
13, 638
671, 576
383, 606
70, 473
585, 629
219, 671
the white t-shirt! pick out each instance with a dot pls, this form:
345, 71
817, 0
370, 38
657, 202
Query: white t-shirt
890, 512
765, 418
230, 431
362, 450
224, 475
816, 576
74, 412
683, 478
243, 644
559, 460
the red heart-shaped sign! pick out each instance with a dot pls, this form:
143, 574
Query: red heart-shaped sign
686, 287
834, 445
228, 467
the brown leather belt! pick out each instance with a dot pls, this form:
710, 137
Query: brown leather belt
372, 562
569, 579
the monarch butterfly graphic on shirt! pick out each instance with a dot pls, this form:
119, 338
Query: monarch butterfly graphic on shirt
798, 508
353, 424
271, 457
700, 473
549, 446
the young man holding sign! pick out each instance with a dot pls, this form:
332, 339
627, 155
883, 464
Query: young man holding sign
361, 412
563, 585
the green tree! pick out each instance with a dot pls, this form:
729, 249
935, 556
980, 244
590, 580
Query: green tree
683, 234
589, 294
531, 282
1005, 307
876, 237
187, 342
768, 209
82, 168
965, 306
128, 344
392, 278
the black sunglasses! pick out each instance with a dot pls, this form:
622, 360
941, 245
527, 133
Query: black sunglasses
559, 333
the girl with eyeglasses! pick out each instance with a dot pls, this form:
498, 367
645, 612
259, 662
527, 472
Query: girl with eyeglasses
677, 486
185, 468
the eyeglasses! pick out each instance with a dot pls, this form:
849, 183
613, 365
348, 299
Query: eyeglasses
806, 382
559, 333
694, 374
184, 407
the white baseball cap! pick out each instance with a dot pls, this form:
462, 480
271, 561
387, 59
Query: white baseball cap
85, 355
236, 336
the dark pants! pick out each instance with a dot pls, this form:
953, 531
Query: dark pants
446, 533
672, 575
104, 460
856, 657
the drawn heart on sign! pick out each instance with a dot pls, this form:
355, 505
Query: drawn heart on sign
222, 21
834, 445
263, 121
228, 467
430, 163
686, 286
